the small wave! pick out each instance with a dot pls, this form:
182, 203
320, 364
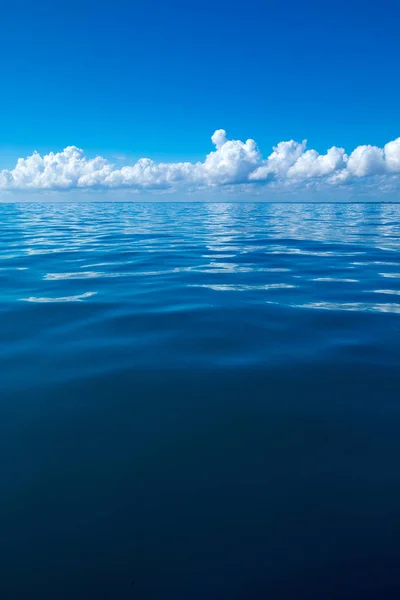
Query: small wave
73, 275
274, 269
44, 251
287, 250
77, 298
104, 274
218, 255
384, 263
107, 264
352, 306
335, 280
242, 288
390, 292
14, 268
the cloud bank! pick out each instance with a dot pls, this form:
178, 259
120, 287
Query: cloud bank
290, 166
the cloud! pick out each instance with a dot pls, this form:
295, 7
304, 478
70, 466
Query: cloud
231, 163
311, 164
392, 156
366, 160
283, 157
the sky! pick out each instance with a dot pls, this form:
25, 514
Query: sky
144, 86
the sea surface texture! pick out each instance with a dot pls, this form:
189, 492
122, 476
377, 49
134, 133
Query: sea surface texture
200, 401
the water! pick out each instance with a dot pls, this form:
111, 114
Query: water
200, 401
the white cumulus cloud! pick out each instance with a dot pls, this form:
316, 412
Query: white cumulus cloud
366, 160
311, 164
232, 162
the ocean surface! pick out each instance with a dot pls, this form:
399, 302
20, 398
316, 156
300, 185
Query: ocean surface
200, 401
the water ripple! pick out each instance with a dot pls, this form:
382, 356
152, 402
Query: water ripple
169, 285
77, 298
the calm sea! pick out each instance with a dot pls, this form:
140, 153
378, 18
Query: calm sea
200, 401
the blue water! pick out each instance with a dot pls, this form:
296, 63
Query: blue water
200, 401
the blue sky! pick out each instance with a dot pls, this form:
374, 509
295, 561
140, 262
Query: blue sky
127, 80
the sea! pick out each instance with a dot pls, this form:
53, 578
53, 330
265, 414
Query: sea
199, 401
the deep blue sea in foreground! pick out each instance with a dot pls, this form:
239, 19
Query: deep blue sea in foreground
200, 401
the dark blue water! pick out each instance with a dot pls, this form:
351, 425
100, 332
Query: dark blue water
200, 401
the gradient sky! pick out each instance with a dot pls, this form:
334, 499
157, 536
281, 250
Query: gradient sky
156, 79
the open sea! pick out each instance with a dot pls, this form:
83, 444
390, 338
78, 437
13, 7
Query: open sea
199, 401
